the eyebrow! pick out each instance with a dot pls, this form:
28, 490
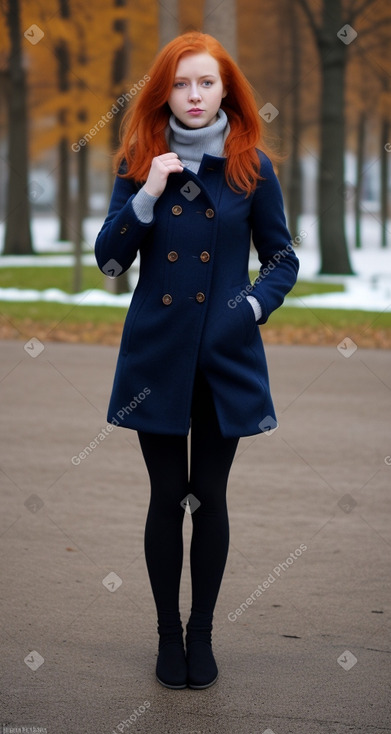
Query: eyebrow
204, 76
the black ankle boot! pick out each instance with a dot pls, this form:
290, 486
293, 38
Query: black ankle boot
202, 670
171, 668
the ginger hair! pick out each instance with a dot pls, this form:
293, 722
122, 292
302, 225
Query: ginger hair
142, 130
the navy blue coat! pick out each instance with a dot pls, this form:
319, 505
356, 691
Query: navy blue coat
189, 307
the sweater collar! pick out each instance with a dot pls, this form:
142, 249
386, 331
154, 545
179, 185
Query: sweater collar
190, 144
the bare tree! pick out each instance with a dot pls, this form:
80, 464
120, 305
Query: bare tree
168, 21
295, 178
332, 49
220, 21
18, 239
62, 55
119, 74
384, 168
360, 157
81, 207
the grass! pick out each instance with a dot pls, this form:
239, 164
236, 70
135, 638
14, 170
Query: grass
308, 287
41, 278
104, 324
48, 313
334, 318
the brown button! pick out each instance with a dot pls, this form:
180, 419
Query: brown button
209, 213
205, 256
172, 256
200, 297
124, 229
177, 210
167, 299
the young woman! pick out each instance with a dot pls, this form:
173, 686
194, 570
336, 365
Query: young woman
192, 188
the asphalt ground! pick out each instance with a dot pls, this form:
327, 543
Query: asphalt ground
302, 624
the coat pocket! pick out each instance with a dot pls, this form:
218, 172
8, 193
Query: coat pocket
240, 303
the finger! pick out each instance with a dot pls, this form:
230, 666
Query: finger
172, 165
167, 156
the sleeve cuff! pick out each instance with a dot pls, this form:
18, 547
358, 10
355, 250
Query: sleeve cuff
256, 306
143, 204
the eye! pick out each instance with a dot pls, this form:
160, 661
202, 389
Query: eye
179, 85
207, 82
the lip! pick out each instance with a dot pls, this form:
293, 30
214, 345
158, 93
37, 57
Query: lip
195, 111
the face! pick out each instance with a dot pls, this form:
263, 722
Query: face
198, 90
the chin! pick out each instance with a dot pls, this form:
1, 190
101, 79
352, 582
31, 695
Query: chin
199, 123
192, 124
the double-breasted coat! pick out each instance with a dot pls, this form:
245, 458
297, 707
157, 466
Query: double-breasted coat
189, 307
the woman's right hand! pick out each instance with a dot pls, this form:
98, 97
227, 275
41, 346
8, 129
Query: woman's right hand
161, 167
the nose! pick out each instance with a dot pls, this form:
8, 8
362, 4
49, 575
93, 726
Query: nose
193, 92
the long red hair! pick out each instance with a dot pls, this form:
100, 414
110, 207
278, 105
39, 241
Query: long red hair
142, 132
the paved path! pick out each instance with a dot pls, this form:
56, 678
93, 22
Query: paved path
310, 530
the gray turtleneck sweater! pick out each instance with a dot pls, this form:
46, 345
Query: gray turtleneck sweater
190, 144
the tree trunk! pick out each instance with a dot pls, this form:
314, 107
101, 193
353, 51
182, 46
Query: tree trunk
281, 100
295, 190
384, 155
168, 21
220, 22
81, 207
119, 72
17, 229
331, 202
295, 177
63, 69
63, 197
359, 177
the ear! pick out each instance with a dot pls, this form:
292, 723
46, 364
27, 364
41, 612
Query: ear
224, 93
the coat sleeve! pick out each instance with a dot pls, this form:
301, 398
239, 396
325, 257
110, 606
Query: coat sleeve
122, 232
279, 264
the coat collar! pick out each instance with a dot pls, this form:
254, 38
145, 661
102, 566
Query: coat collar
210, 176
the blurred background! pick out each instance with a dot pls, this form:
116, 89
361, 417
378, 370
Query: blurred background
321, 73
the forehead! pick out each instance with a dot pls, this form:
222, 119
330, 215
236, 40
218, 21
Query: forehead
197, 64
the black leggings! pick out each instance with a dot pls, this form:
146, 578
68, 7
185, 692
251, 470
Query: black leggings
167, 463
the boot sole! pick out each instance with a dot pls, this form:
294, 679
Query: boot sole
206, 685
169, 685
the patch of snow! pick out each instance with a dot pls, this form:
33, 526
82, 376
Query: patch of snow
358, 296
